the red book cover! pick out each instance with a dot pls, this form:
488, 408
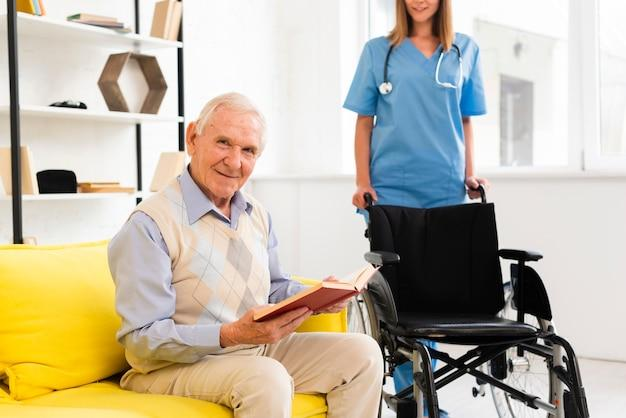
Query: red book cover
320, 296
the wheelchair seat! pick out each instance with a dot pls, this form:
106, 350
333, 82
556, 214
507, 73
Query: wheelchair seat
448, 287
468, 329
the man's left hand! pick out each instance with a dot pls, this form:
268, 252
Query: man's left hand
337, 307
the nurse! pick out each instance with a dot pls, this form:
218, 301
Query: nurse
414, 92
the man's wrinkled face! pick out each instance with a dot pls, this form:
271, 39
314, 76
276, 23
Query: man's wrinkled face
224, 154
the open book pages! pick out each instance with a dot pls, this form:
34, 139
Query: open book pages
360, 277
319, 296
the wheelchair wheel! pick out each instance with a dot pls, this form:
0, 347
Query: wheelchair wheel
529, 373
358, 319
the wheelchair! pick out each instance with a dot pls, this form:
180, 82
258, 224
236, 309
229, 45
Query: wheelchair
440, 279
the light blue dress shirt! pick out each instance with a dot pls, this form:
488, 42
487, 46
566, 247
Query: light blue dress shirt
141, 268
417, 156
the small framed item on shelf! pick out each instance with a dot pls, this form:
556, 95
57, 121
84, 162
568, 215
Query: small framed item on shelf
170, 165
29, 181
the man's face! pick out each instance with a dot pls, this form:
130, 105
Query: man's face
224, 154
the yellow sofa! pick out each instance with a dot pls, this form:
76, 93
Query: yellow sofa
58, 353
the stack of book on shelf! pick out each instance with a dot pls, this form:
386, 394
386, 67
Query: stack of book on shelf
166, 19
33, 7
103, 187
97, 20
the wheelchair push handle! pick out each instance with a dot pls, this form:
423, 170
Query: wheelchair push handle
483, 194
481, 189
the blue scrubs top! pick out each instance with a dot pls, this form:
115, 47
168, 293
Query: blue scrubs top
417, 156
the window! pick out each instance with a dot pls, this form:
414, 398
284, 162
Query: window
524, 52
555, 80
612, 43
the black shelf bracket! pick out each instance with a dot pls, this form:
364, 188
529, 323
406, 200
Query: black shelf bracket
16, 163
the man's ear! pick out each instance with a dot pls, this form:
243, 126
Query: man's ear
190, 138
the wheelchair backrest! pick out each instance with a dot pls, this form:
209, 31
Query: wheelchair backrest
448, 257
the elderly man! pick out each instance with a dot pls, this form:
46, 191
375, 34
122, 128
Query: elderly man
191, 264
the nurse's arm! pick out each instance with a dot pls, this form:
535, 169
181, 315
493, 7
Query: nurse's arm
471, 181
363, 134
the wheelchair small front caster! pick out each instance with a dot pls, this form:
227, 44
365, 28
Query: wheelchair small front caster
478, 391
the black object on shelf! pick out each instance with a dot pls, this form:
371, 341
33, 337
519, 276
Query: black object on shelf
70, 103
56, 181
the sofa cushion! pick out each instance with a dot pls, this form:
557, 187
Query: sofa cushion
58, 318
109, 396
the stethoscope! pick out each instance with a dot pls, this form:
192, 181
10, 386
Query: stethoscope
386, 86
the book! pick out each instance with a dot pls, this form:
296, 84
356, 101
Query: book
161, 18
175, 19
170, 165
320, 296
25, 6
103, 187
89, 16
101, 23
29, 180
42, 9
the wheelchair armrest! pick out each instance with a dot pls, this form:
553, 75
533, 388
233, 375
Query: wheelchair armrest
380, 258
520, 255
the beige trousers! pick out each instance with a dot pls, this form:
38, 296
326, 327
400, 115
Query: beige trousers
261, 382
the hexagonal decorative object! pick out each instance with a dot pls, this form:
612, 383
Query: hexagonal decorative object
152, 73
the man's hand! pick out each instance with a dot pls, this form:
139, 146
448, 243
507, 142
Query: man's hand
247, 331
337, 307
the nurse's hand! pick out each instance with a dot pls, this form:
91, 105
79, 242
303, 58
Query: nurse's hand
358, 199
472, 183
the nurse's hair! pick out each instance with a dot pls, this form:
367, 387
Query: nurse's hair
232, 101
442, 24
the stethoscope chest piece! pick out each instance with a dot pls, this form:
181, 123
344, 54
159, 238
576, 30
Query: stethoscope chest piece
385, 88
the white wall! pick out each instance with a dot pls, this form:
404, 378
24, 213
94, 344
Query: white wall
577, 223
284, 54
290, 57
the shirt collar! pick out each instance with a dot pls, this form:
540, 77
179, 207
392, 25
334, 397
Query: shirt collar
198, 204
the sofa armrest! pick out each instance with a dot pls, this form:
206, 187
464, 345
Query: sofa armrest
335, 322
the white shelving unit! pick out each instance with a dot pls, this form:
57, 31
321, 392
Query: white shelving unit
48, 29
41, 26
90, 115
73, 196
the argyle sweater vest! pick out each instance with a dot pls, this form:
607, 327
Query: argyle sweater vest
218, 273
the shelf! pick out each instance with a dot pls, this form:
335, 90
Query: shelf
90, 115
71, 196
44, 27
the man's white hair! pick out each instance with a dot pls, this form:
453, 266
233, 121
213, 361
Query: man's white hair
233, 101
